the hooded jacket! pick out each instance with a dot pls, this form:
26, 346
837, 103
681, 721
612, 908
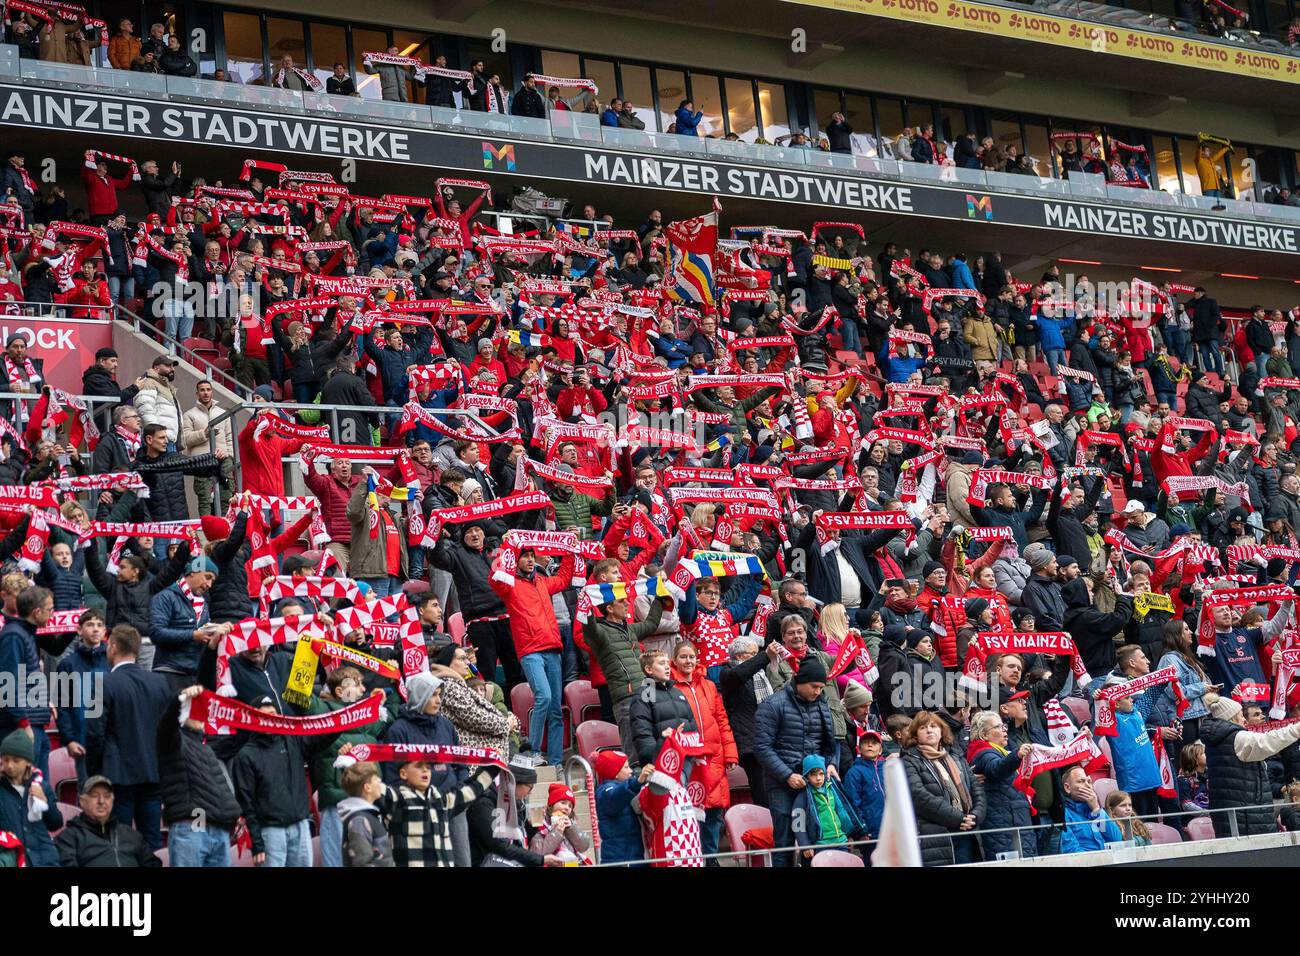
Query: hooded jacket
1093, 630
715, 731
617, 647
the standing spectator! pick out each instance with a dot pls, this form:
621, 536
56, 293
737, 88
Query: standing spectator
1235, 760
97, 838
176, 61
197, 438
179, 619
334, 490
945, 794
611, 113
125, 47
158, 190
991, 757
745, 685
1207, 330
688, 118
839, 133
394, 79
792, 724
121, 743
528, 101
627, 118
101, 189
28, 808
538, 643
16, 183
155, 42
87, 658
378, 554
616, 645
157, 399
715, 731
340, 82
198, 795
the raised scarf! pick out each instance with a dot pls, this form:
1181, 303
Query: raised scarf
225, 715
1104, 725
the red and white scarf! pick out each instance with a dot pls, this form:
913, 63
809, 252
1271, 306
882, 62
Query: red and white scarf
830, 522
853, 654
1235, 597
1041, 759
548, 543
200, 603
1104, 724
252, 633
28, 374
975, 672
318, 588
308, 78
225, 715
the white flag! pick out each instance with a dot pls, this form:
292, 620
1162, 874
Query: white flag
898, 844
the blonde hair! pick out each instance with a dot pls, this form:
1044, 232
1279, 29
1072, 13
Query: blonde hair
834, 622
982, 723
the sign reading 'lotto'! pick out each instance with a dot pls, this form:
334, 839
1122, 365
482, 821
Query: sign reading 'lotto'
1076, 34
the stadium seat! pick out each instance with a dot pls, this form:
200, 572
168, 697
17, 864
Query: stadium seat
1160, 833
521, 702
738, 783
1199, 828
1079, 709
1104, 746
414, 588
456, 627
743, 817
1104, 787
593, 735
837, 858
70, 812
63, 775
582, 700
195, 344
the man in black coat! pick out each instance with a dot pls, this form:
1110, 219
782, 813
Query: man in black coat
198, 796
793, 723
344, 387
1042, 593
1066, 515
658, 706
839, 134
101, 379
1093, 630
1207, 329
121, 743
486, 625
97, 838
158, 189
129, 594
528, 101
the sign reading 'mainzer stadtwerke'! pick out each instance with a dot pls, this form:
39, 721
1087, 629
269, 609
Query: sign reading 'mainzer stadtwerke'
254, 131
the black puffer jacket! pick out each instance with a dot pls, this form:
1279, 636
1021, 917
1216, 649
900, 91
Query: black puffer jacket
1234, 782
935, 813
165, 476
83, 843
1005, 805
129, 603
228, 600
737, 682
656, 708
471, 572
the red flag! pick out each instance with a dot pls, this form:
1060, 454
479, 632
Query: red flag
1168, 787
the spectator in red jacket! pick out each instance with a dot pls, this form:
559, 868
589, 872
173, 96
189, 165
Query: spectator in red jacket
580, 400
334, 488
261, 451
88, 289
485, 359
101, 189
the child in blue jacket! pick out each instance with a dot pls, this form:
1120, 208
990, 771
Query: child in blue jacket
864, 784
620, 827
1131, 751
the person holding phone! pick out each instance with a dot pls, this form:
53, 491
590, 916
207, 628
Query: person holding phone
1180, 654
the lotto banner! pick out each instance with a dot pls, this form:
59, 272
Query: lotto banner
1177, 50
67, 346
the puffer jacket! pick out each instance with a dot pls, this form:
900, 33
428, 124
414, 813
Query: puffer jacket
1234, 782
532, 615
173, 623
1005, 805
1093, 630
413, 728
715, 730
737, 683
108, 844
334, 496
788, 728
367, 558
156, 402
617, 646
471, 571
982, 337
1011, 574
935, 813
1045, 598
325, 777
228, 599
957, 483
165, 476
657, 707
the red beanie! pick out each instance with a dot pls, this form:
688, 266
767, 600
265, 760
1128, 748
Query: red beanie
214, 528
608, 763
558, 792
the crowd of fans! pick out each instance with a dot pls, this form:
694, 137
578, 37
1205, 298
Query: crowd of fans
846, 510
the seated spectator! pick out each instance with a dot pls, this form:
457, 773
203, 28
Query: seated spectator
95, 838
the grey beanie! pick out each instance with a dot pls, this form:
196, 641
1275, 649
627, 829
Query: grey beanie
1039, 559
419, 689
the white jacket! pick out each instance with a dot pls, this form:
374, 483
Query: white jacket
156, 403
194, 431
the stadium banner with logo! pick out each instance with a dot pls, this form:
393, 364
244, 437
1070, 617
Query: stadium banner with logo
253, 131
1173, 48
66, 346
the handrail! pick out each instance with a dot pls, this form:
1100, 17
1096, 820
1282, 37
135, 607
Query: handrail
227, 380
6, 305
1231, 812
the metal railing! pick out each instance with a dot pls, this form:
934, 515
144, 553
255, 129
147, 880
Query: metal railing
21, 412
568, 126
1019, 835
201, 362
55, 310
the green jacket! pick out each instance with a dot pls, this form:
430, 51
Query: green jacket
578, 509
739, 412
324, 776
618, 649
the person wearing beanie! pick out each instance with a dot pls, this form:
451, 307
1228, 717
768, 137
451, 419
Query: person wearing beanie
559, 835
1003, 509
1237, 769
823, 805
864, 784
180, 623
28, 807
620, 827
792, 724
1042, 592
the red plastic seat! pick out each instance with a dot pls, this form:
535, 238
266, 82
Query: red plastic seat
1078, 708
70, 812
456, 627
1103, 788
582, 700
1199, 828
744, 817
1161, 833
63, 775
593, 735
522, 702
837, 858
194, 343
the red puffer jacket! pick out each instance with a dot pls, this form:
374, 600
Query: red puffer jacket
715, 729
532, 617
334, 502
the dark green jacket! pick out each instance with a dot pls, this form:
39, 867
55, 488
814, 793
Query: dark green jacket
618, 649
324, 776
578, 509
